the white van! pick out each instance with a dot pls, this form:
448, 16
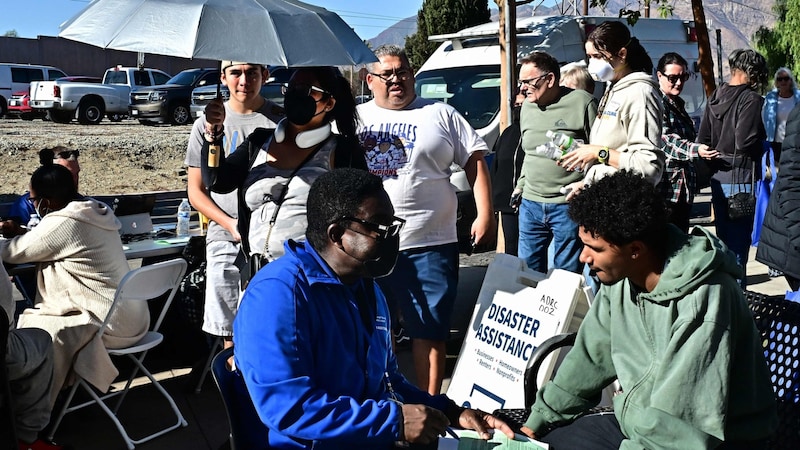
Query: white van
465, 70
18, 77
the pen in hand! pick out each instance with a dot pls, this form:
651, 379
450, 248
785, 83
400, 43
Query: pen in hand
452, 433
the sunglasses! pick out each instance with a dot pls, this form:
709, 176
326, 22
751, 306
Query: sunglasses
383, 231
396, 75
674, 78
532, 82
70, 155
306, 89
782, 78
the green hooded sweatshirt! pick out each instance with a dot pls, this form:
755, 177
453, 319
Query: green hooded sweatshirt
687, 356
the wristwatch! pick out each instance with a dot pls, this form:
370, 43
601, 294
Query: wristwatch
602, 156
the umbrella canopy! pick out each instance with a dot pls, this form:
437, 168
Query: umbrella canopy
271, 32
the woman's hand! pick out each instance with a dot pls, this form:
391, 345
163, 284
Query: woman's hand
473, 419
581, 158
573, 189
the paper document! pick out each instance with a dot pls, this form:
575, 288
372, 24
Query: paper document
469, 440
175, 240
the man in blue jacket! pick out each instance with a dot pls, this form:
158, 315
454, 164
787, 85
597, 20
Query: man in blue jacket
313, 339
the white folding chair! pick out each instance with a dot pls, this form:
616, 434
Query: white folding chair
142, 284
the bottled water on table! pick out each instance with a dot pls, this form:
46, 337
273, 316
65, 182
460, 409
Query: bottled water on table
184, 211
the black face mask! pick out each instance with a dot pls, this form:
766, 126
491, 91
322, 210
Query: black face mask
386, 257
300, 108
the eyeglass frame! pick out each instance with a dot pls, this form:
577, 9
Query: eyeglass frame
783, 78
401, 74
384, 231
684, 77
71, 155
532, 82
311, 88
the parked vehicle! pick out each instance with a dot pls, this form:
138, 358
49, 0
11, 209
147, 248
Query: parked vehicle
170, 102
19, 104
17, 77
92, 101
271, 90
465, 70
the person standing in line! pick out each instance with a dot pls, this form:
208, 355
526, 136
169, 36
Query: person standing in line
543, 208
244, 111
313, 343
778, 103
669, 323
505, 169
575, 75
732, 125
627, 132
433, 136
780, 234
679, 181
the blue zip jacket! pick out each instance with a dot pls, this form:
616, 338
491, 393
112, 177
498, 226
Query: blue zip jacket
317, 375
769, 112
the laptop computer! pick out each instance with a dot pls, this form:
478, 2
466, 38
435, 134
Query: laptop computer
133, 211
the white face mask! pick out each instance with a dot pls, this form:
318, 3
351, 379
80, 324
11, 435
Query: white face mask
600, 70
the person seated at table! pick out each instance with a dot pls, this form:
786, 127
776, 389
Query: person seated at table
79, 264
19, 216
29, 364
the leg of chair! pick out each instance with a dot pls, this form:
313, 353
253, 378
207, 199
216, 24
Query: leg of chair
124, 390
63, 410
218, 342
181, 421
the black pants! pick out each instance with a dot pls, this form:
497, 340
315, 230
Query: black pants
601, 432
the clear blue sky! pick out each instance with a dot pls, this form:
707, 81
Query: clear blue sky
31, 18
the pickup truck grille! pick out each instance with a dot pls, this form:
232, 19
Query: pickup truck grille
139, 97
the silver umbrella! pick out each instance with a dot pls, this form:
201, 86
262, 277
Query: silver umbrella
273, 32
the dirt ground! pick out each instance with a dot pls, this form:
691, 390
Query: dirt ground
123, 157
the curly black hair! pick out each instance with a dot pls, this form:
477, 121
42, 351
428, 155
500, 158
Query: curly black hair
622, 208
336, 194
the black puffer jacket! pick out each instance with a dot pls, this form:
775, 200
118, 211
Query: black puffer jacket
779, 246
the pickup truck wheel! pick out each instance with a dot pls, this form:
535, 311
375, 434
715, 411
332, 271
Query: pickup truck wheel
90, 112
116, 117
180, 114
59, 116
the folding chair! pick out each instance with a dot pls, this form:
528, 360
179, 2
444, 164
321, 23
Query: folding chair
142, 284
248, 432
778, 321
8, 438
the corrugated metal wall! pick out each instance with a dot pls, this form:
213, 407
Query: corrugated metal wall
76, 58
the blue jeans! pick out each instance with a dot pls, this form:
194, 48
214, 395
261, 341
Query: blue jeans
543, 223
736, 234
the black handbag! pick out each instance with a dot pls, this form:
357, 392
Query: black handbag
742, 203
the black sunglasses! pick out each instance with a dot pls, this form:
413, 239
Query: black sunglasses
384, 231
674, 78
782, 78
306, 89
68, 154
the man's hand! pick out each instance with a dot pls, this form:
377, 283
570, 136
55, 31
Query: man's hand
232, 225
528, 432
422, 424
215, 116
483, 229
573, 189
473, 419
706, 152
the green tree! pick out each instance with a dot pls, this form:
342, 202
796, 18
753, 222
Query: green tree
11, 33
440, 17
779, 45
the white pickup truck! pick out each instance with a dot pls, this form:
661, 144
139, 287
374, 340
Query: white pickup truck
92, 101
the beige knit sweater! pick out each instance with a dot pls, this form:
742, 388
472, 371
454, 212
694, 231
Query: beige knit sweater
79, 263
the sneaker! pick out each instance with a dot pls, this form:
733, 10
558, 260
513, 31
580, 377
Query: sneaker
42, 444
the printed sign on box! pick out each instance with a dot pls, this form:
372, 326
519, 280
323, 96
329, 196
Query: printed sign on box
506, 328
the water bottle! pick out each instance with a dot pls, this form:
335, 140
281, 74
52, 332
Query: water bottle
184, 211
563, 141
33, 221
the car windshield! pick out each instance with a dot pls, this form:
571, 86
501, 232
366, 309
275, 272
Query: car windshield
185, 78
473, 91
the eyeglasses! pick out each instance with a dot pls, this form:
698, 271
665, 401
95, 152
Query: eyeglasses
674, 78
397, 74
384, 231
70, 155
532, 82
306, 89
782, 78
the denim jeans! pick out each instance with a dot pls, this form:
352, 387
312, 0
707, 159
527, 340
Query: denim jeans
736, 234
543, 223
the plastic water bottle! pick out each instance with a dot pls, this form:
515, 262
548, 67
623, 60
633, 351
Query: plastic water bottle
33, 221
564, 142
184, 211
